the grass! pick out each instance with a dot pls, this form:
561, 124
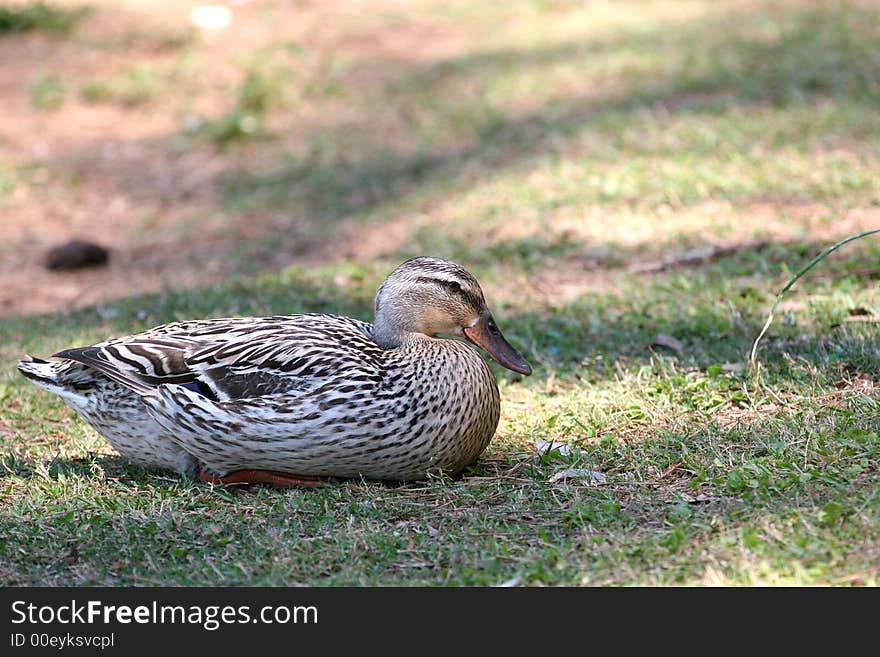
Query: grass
753, 355
258, 92
708, 479
136, 87
39, 16
553, 149
48, 92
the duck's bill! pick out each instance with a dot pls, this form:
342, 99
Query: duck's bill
485, 334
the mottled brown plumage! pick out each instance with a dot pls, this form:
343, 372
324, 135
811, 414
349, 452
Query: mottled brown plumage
312, 395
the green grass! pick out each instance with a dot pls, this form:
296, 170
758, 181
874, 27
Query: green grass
566, 144
138, 86
265, 85
40, 16
628, 118
48, 92
708, 478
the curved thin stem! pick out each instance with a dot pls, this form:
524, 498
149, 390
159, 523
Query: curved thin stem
753, 357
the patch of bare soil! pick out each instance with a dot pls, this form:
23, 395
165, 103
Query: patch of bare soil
112, 173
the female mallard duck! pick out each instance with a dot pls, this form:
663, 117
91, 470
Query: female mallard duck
290, 399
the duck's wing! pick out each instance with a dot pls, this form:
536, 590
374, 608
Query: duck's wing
238, 358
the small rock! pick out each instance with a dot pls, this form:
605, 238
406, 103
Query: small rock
75, 255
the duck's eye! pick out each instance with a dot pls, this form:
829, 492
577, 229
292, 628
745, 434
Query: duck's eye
452, 286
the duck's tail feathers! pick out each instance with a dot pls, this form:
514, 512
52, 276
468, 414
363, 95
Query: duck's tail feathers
38, 370
54, 376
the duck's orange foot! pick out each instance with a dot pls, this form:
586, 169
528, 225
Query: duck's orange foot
262, 477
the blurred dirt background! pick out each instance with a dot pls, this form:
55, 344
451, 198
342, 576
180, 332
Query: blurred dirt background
202, 145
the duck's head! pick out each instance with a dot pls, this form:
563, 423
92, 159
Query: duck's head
432, 296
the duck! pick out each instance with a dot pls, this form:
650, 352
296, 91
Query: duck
302, 399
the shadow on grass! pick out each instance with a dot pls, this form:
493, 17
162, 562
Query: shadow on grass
714, 308
483, 529
103, 521
112, 467
794, 56
777, 55
815, 56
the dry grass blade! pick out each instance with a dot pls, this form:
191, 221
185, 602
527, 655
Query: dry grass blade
753, 356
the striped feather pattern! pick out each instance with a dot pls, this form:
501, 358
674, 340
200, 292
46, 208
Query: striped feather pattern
235, 358
309, 394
